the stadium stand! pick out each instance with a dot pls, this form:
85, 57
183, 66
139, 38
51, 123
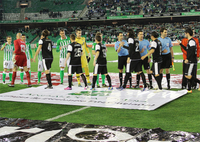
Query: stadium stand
175, 31
38, 9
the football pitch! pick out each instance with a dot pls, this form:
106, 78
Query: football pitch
178, 115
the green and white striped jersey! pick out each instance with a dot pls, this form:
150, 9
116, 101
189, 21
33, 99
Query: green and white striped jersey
8, 52
40, 53
64, 44
28, 51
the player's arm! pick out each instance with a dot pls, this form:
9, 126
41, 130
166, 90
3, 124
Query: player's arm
96, 56
198, 48
3, 46
93, 49
58, 46
30, 51
37, 52
87, 49
68, 55
172, 54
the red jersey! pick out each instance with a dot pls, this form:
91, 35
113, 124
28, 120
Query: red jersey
185, 42
20, 47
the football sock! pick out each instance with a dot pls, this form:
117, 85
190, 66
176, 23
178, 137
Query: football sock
168, 79
87, 74
138, 79
103, 77
143, 79
4, 76
84, 79
158, 80
39, 75
161, 76
189, 84
120, 78
13, 78
48, 76
10, 76
126, 79
61, 75
130, 80
150, 79
28, 78
109, 80
22, 76
97, 79
70, 80
94, 79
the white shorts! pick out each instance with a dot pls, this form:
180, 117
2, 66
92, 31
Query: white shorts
62, 62
40, 66
8, 64
28, 64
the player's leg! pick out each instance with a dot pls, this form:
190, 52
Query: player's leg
13, 76
47, 66
161, 74
98, 81
120, 77
127, 76
61, 74
137, 80
80, 72
62, 68
94, 79
168, 78
103, 77
194, 74
184, 79
149, 77
27, 75
70, 71
29, 66
156, 70
10, 70
105, 71
143, 78
87, 74
21, 75
4, 75
40, 69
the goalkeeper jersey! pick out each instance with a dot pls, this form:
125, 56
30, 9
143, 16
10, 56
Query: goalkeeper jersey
64, 44
8, 52
83, 44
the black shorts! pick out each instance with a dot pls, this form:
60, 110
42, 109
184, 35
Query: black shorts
190, 69
74, 69
156, 68
122, 61
47, 63
100, 69
166, 61
135, 66
145, 63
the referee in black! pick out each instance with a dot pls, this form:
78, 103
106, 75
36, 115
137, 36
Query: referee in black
45, 45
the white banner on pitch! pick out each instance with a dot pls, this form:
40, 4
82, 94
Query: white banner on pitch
127, 99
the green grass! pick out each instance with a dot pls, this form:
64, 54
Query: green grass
181, 114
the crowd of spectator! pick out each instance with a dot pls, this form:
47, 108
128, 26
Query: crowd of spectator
124, 7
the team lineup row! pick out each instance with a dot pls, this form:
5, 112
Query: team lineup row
132, 55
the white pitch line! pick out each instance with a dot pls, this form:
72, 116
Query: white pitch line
65, 114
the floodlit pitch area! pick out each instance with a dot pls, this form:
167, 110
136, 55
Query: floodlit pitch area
181, 114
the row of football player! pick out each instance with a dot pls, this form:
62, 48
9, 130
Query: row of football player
143, 45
